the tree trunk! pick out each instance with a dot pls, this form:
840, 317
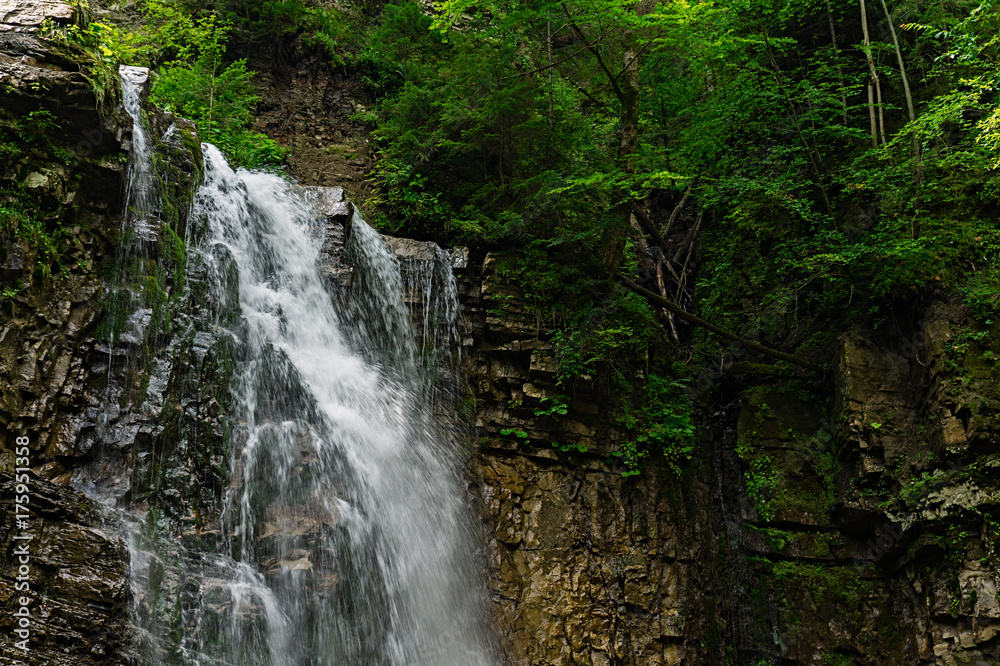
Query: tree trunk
551, 104
902, 67
881, 109
615, 235
836, 54
871, 115
875, 80
911, 113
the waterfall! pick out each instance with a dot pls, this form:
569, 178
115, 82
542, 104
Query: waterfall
140, 192
343, 533
347, 535
130, 310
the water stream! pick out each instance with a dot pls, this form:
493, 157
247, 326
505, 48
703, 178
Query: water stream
349, 498
140, 193
345, 532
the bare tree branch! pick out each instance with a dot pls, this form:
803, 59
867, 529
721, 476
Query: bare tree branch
656, 299
594, 50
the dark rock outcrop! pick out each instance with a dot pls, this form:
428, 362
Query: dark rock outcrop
61, 385
77, 579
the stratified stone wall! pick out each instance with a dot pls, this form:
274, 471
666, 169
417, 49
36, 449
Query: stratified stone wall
77, 576
588, 566
853, 521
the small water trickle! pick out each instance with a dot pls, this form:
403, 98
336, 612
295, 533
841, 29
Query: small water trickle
140, 192
127, 313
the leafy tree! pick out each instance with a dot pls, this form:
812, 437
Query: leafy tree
774, 170
218, 98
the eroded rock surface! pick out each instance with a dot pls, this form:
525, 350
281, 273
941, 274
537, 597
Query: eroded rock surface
29, 15
588, 566
78, 585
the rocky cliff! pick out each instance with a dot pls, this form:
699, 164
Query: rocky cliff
59, 197
63, 387
846, 519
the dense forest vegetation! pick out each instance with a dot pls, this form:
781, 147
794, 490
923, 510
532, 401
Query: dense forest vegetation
783, 169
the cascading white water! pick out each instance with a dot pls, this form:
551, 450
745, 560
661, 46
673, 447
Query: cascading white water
346, 539
140, 195
346, 494
138, 224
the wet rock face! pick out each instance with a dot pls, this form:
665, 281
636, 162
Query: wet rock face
336, 211
61, 385
64, 173
49, 383
78, 592
922, 422
66, 170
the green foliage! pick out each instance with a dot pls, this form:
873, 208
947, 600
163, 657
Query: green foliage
663, 423
34, 133
21, 219
39, 226
761, 483
274, 18
833, 659
158, 29
400, 49
480, 140
467, 146
982, 290
761, 476
218, 97
770, 116
9, 293
959, 345
195, 80
9, 150
579, 448
107, 45
611, 337
558, 406
175, 252
844, 586
334, 30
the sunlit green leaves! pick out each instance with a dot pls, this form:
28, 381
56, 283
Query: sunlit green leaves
217, 96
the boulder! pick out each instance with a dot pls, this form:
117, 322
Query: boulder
28, 15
